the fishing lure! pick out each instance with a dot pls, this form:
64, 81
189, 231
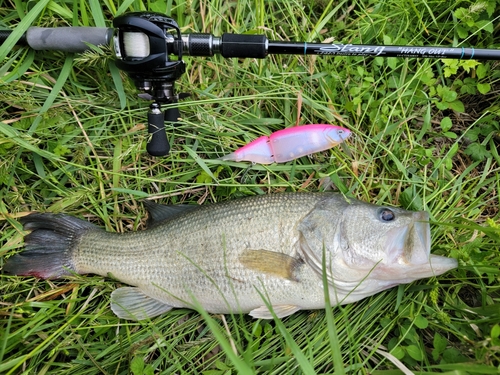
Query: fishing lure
291, 143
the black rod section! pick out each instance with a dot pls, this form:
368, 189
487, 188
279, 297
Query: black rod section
242, 45
4, 34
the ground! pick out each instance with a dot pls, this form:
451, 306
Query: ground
425, 137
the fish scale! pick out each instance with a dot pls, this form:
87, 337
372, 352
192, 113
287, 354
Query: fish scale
225, 257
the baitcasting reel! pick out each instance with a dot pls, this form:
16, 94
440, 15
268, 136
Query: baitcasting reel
143, 44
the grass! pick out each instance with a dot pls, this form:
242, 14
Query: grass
426, 135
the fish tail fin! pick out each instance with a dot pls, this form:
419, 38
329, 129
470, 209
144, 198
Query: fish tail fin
49, 247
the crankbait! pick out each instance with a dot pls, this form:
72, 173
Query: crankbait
291, 143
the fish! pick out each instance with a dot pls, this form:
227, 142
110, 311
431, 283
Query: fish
263, 255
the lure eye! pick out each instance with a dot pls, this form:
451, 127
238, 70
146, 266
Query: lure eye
341, 133
386, 214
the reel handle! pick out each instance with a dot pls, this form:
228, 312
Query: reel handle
158, 144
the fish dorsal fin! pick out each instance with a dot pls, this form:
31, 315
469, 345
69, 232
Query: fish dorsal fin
271, 263
132, 304
160, 212
280, 311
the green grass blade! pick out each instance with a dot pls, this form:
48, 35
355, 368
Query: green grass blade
304, 364
240, 366
117, 80
56, 89
97, 14
335, 344
25, 141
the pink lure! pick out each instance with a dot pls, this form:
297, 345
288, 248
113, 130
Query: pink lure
291, 143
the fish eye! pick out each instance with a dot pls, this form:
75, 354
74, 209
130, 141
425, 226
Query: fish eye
386, 214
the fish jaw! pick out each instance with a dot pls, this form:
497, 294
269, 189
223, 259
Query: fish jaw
435, 266
383, 277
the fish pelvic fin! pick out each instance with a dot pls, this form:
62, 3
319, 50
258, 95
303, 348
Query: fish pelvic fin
49, 247
131, 303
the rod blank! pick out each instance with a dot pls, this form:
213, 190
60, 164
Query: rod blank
383, 51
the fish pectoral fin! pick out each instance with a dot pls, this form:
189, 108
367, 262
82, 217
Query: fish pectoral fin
280, 311
132, 304
271, 263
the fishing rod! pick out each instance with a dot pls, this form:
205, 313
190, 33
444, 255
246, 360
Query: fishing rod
149, 47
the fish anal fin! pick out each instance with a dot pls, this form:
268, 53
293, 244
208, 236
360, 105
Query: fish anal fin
133, 304
161, 212
271, 263
280, 311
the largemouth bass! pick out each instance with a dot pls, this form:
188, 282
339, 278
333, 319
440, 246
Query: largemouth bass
227, 256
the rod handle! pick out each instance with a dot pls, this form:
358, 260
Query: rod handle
243, 45
67, 39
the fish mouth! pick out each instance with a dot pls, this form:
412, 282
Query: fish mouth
420, 235
408, 253
410, 244
440, 264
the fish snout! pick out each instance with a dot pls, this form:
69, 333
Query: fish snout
440, 264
